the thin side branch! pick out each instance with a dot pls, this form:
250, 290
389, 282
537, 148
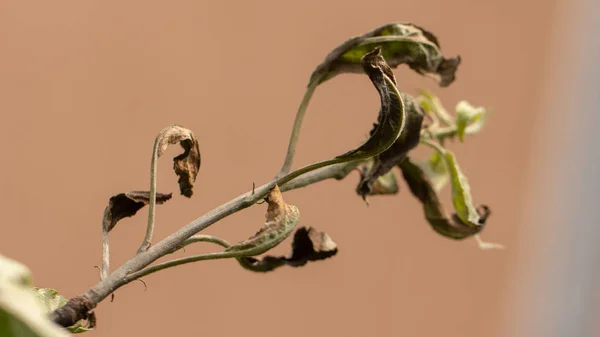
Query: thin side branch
206, 238
291, 151
105, 254
152, 202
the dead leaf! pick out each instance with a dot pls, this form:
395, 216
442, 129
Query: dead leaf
308, 245
127, 204
185, 165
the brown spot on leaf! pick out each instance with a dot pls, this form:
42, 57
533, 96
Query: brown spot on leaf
127, 204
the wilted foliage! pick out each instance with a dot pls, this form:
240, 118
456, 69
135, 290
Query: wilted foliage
403, 123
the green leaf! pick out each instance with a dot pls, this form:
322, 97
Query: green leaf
21, 313
461, 192
391, 157
401, 43
308, 245
450, 226
468, 118
51, 301
432, 105
281, 221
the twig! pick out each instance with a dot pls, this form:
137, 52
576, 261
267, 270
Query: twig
291, 151
105, 255
206, 238
105, 247
152, 202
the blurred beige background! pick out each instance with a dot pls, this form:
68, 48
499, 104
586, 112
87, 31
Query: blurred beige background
86, 85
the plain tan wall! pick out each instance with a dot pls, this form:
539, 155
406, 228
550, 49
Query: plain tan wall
85, 86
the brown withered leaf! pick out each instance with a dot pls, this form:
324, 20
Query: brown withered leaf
449, 226
127, 204
185, 165
308, 245
281, 219
385, 161
401, 43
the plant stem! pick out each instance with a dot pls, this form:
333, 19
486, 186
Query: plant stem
152, 203
77, 308
206, 238
105, 254
291, 151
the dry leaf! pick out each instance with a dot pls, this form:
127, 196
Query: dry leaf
187, 164
127, 204
308, 245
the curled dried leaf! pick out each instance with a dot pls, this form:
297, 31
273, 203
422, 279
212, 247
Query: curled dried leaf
281, 219
391, 119
401, 43
308, 245
127, 204
185, 165
449, 226
391, 157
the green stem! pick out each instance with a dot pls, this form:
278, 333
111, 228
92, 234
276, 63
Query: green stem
206, 238
291, 151
433, 145
283, 180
